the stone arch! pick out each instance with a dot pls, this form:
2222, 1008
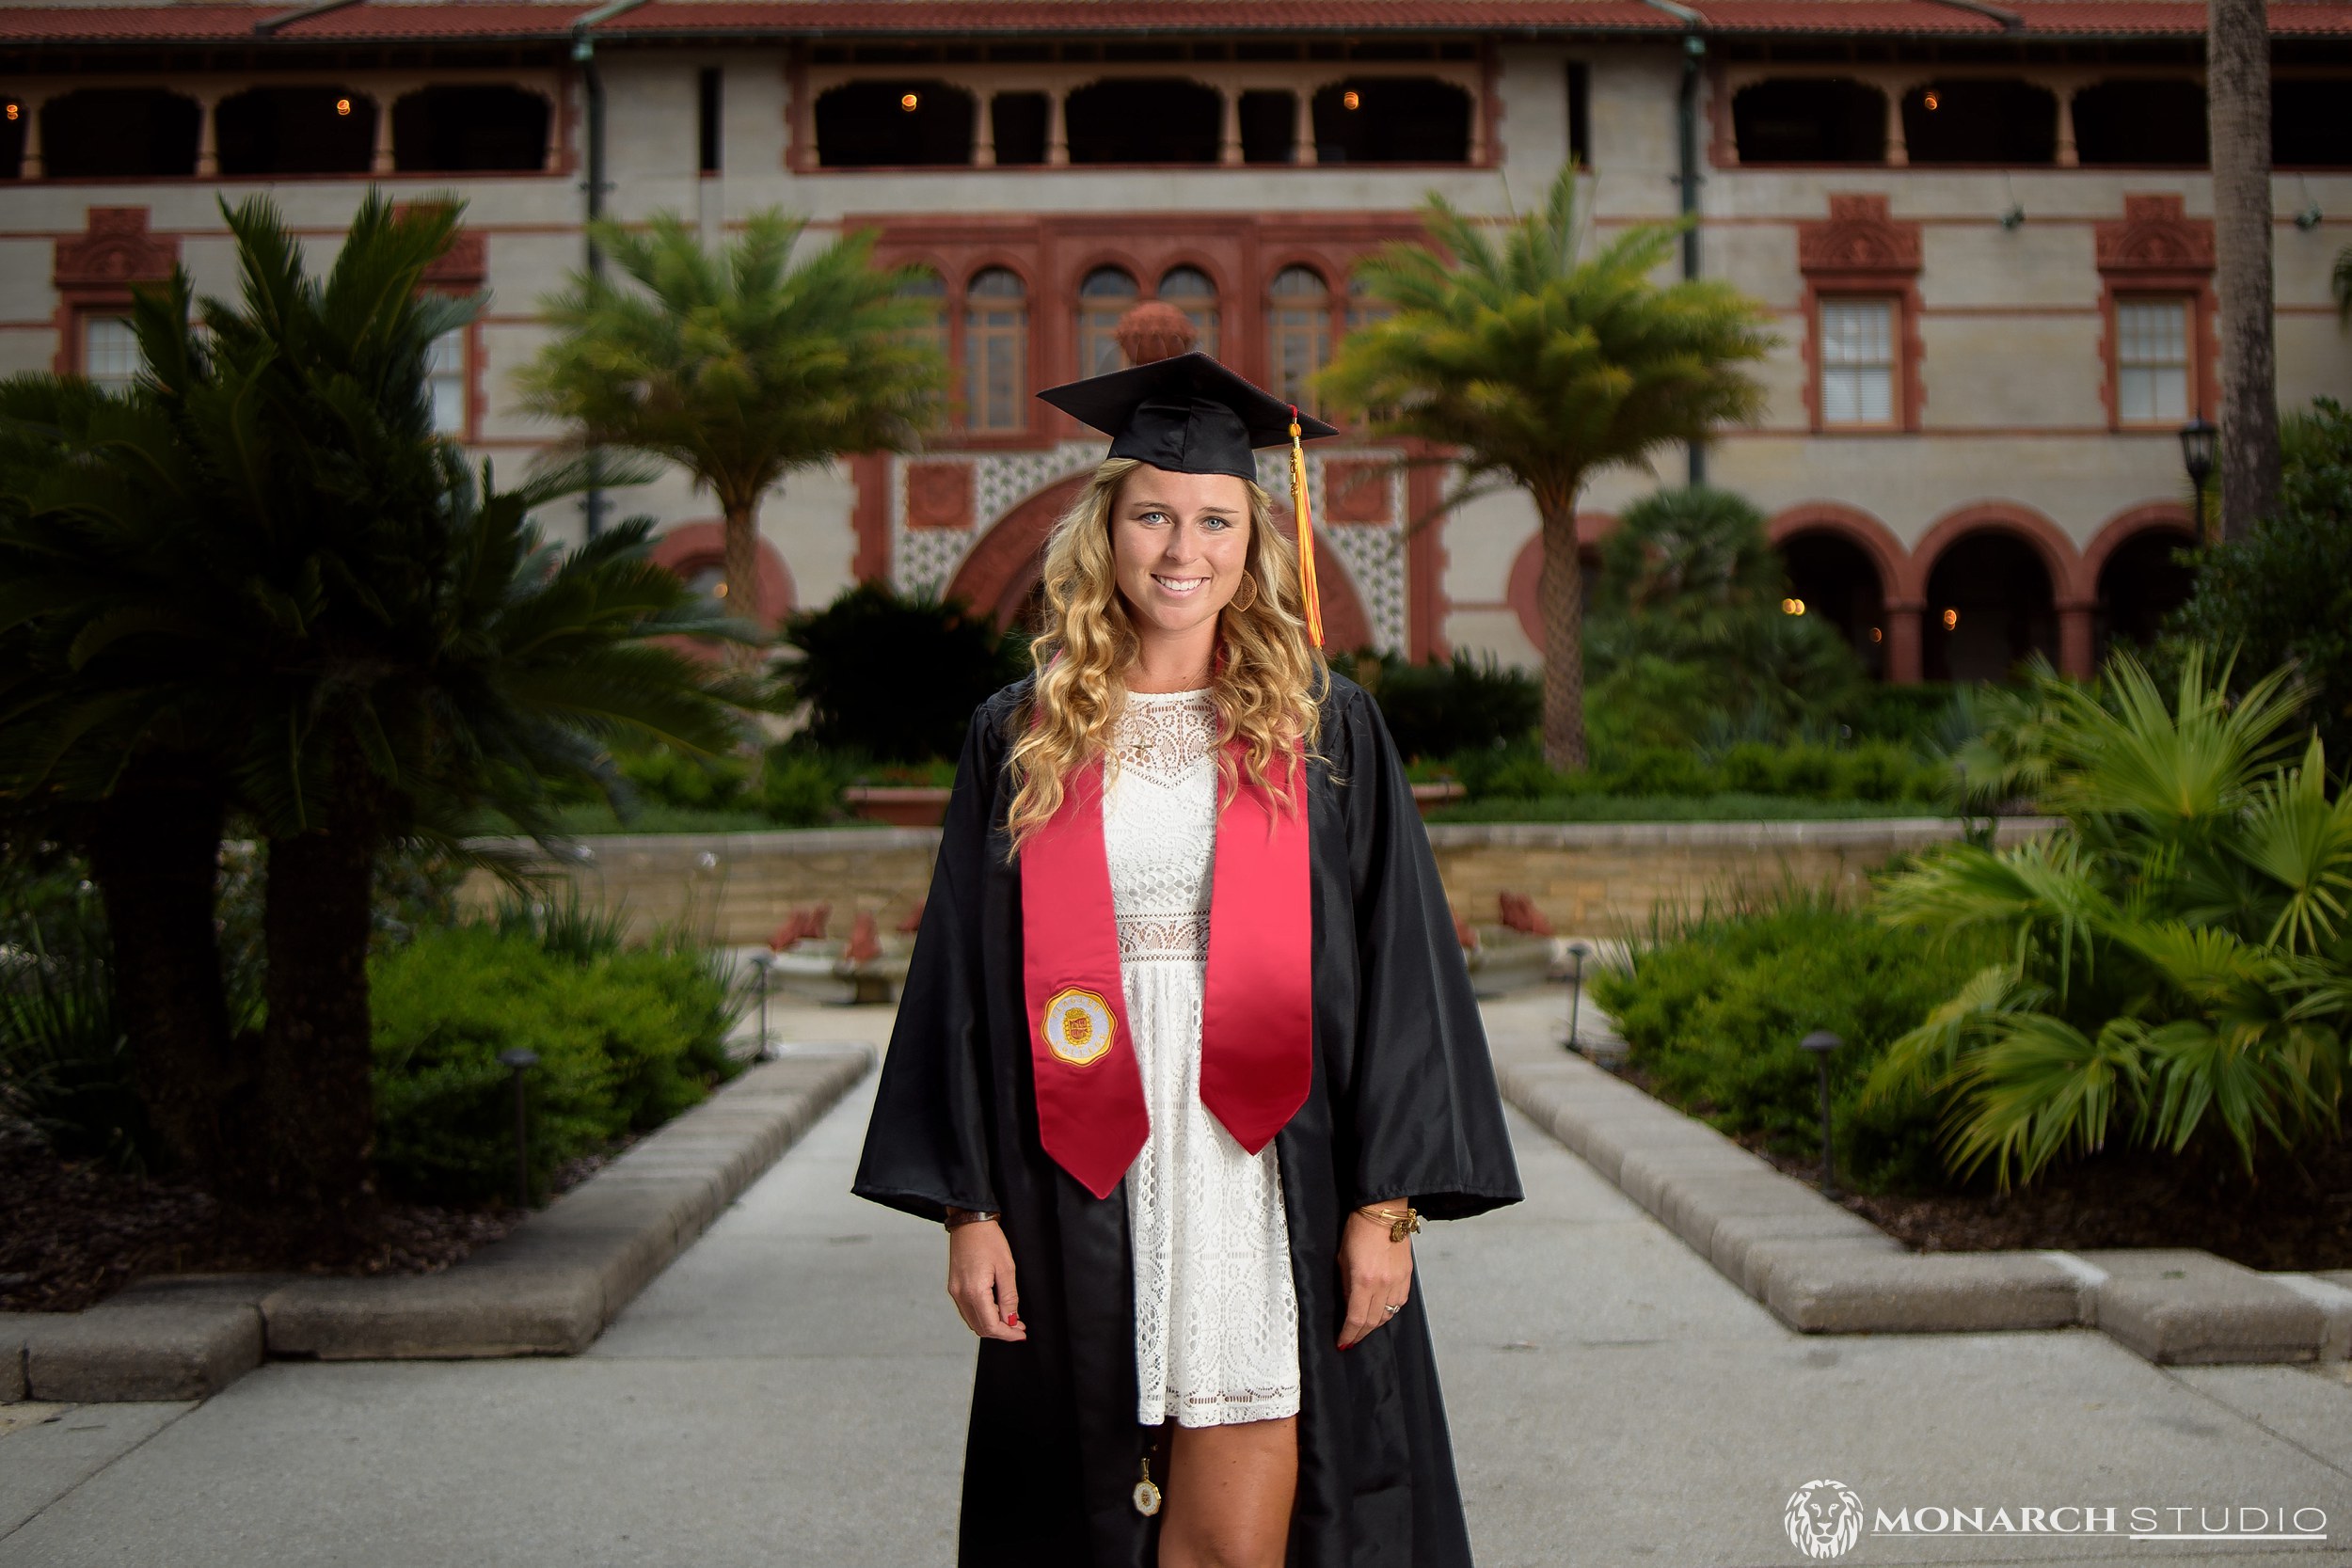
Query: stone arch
1810, 538
2006, 615
2048, 541
1001, 569
689, 548
2134, 581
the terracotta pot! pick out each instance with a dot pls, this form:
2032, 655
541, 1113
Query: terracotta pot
900, 805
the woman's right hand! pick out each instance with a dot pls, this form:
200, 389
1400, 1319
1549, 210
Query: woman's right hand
979, 1280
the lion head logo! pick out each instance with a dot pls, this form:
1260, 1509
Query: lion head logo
1824, 1519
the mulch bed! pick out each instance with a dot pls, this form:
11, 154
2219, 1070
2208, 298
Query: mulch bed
76, 1232
2290, 1216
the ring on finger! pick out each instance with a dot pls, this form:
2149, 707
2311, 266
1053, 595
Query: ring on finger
1392, 1307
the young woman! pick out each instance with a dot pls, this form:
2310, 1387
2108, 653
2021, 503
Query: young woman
1187, 1048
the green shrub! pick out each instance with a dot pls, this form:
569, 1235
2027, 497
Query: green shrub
65, 1058
2283, 594
799, 788
1714, 1006
625, 1038
892, 675
1439, 709
671, 777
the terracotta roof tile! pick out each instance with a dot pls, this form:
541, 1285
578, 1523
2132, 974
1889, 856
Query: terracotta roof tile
397, 21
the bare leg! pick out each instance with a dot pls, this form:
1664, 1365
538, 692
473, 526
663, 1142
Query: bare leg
1229, 1494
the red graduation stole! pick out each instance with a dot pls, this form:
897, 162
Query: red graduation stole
1257, 1042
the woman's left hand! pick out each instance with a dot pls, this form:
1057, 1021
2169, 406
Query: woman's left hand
1374, 1272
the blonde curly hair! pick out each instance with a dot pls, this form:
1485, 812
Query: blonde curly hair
1267, 684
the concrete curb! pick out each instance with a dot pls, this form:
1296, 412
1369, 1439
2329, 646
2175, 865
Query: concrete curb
549, 1288
1822, 1269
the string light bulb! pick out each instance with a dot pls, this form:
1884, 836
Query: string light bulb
14, 109
1792, 607
1352, 99
907, 100
1951, 620
1929, 100
342, 105
1877, 635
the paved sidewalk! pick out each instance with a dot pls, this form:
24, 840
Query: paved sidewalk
794, 1391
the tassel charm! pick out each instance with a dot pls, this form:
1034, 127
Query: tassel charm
1311, 603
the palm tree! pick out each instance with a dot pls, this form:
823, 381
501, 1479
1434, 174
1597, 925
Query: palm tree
2180, 964
2237, 113
1543, 369
738, 367
263, 566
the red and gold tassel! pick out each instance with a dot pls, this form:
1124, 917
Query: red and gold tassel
1310, 602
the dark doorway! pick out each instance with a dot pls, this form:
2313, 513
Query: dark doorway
1835, 578
1393, 120
2309, 125
1269, 127
1810, 120
1988, 606
1017, 120
1144, 121
118, 133
893, 124
1977, 121
268, 131
2140, 585
2140, 123
470, 129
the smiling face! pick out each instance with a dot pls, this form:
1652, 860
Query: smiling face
1179, 546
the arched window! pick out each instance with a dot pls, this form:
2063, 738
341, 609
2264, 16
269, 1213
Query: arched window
1107, 294
460, 130
1362, 309
1299, 331
996, 351
267, 131
927, 289
1191, 291
92, 132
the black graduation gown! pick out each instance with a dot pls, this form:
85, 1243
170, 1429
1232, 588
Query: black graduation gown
1403, 1105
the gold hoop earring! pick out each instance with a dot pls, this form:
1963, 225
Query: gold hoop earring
1249, 584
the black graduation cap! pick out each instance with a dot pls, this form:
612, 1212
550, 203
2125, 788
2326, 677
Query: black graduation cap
1188, 415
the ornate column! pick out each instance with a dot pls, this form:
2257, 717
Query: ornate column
1303, 126
30, 107
2076, 657
983, 129
1056, 129
1904, 664
380, 159
1229, 126
207, 142
2067, 158
1898, 146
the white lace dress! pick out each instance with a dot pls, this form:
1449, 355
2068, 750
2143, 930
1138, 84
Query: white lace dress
1217, 1316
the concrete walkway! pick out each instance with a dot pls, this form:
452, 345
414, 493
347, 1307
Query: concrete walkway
794, 1391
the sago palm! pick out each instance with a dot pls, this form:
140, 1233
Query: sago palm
263, 557
2181, 962
1540, 368
738, 365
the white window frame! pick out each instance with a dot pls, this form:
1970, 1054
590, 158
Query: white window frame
1853, 362
2156, 368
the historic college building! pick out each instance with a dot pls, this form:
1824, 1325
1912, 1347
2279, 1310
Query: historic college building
1981, 224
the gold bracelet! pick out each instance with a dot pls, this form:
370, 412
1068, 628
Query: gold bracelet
1400, 1225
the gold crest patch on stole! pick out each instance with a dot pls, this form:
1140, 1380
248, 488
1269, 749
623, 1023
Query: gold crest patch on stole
1077, 1027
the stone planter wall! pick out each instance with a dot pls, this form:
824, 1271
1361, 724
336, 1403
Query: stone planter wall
1599, 880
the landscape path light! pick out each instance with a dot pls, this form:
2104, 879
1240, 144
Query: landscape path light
520, 1061
1578, 953
1821, 1042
